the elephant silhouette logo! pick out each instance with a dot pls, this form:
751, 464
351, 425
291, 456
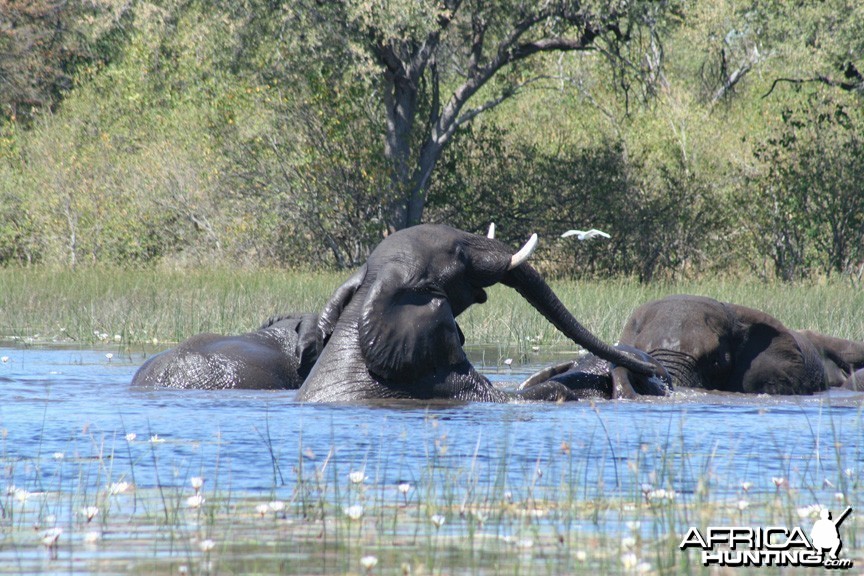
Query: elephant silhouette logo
825, 534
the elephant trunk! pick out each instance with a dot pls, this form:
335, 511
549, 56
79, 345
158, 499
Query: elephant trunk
528, 282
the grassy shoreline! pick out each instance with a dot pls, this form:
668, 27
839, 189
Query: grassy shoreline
134, 308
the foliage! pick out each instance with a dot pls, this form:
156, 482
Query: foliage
810, 217
704, 137
44, 42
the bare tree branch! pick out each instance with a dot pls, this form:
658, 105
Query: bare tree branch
850, 72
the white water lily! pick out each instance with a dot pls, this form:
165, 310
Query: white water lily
50, 536
811, 511
368, 562
354, 512
357, 476
661, 494
262, 509
743, 505
276, 506
197, 482
130, 437
49, 539
206, 545
89, 512
118, 488
195, 501
438, 520
629, 560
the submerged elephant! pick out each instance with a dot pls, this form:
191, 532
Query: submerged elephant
592, 377
704, 343
393, 323
277, 356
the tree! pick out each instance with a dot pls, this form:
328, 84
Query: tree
43, 42
438, 65
810, 211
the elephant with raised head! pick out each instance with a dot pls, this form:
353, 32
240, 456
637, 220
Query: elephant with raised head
277, 356
393, 323
704, 343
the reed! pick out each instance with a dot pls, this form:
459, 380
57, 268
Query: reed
559, 514
135, 308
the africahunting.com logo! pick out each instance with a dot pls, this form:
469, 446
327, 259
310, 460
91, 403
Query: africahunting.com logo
773, 546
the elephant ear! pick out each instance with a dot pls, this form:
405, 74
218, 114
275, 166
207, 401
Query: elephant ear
771, 358
309, 344
329, 316
408, 331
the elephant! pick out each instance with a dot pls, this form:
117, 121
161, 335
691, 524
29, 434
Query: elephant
713, 345
277, 356
855, 381
392, 325
590, 376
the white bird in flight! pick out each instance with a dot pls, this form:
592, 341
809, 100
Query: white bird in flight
585, 234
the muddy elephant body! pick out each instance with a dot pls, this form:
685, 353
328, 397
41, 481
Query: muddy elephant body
713, 345
393, 330
277, 356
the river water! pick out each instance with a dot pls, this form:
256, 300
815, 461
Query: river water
70, 422
67, 403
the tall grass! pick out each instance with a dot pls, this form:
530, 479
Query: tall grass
135, 307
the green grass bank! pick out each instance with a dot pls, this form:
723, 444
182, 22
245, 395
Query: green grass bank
135, 308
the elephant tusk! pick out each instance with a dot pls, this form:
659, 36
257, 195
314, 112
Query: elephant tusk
522, 255
491, 233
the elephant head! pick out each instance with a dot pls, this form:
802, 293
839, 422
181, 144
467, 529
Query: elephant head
704, 343
277, 356
392, 325
592, 377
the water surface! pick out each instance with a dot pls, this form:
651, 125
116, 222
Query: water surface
71, 424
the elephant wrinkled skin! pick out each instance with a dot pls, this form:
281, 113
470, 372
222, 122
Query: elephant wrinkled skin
393, 323
704, 343
591, 377
712, 345
277, 356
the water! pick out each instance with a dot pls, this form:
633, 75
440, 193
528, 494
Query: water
58, 405
68, 418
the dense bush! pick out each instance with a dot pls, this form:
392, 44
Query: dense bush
185, 132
